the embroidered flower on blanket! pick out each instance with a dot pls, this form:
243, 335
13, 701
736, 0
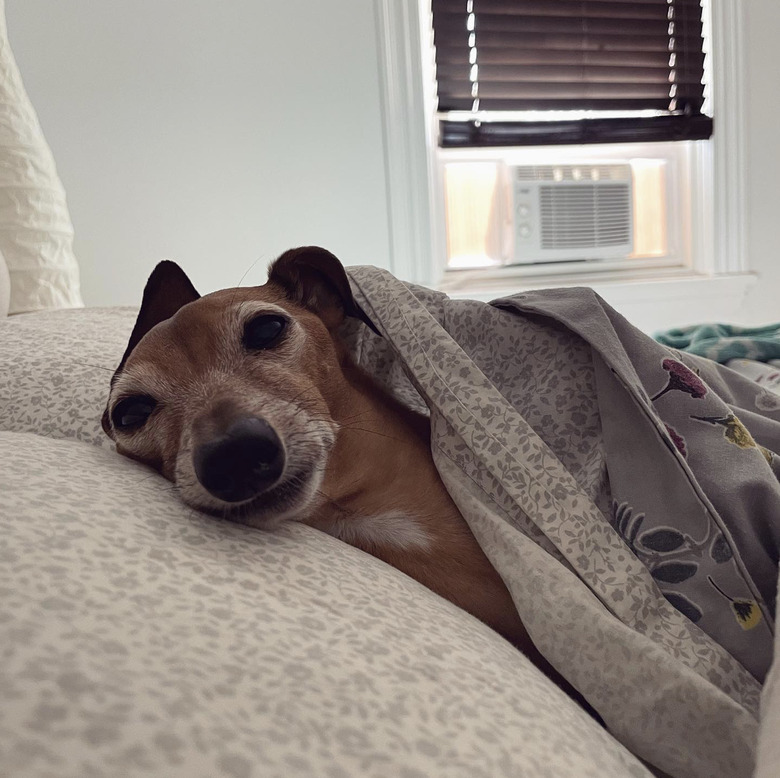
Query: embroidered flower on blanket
734, 430
768, 401
681, 379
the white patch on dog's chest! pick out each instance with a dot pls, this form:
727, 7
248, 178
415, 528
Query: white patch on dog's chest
393, 528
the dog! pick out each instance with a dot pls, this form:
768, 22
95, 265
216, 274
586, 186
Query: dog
248, 401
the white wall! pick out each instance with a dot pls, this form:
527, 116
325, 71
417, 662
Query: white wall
213, 133
763, 162
216, 133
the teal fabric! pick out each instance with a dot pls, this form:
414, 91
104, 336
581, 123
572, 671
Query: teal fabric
722, 342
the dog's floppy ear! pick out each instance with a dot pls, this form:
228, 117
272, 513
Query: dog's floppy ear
315, 278
167, 290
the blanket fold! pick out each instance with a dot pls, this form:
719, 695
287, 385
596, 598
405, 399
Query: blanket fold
612, 482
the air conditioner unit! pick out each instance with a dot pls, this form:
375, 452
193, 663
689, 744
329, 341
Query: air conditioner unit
571, 212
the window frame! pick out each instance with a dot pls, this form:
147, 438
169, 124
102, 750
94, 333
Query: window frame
681, 160
415, 199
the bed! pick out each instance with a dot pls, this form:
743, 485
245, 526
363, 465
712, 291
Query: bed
142, 638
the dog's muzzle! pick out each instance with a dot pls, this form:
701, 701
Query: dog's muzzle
243, 462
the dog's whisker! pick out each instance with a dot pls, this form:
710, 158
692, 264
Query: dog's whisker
246, 273
96, 367
333, 501
146, 478
301, 396
249, 270
371, 432
353, 417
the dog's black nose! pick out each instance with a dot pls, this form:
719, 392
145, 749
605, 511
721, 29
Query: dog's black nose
243, 462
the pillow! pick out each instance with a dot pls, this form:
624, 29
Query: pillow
55, 368
36, 234
298, 653
142, 639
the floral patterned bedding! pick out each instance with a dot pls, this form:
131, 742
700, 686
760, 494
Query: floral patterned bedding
141, 639
766, 374
627, 494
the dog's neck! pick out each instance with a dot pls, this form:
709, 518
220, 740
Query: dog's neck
383, 494
382, 461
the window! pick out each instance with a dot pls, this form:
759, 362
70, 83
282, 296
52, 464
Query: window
704, 273
546, 74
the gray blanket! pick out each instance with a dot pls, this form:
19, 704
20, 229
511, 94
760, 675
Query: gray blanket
627, 493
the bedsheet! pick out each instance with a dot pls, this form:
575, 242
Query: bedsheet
667, 689
765, 374
141, 639
627, 494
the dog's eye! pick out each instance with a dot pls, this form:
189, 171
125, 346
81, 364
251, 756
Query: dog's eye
132, 412
263, 331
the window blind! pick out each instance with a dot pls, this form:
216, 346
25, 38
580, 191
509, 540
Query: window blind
634, 67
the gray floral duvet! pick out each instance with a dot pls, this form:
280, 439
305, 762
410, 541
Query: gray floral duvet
627, 493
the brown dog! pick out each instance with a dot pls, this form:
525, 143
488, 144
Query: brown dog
247, 400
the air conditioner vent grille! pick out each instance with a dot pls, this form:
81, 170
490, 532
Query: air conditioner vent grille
585, 215
605, 172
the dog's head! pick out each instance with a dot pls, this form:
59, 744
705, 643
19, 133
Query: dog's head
234, 396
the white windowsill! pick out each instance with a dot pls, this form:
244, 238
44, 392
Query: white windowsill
651, 300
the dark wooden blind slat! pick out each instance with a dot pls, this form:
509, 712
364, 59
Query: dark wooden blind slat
588, 6
656, 26
608, 9
535, 57
585, 73
581, 55
466, 134
626, 42
570, 104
